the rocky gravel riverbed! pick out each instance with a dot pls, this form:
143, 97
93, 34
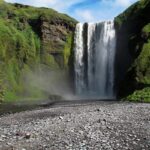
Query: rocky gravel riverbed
86, 126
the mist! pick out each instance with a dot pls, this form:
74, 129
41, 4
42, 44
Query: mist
51, 82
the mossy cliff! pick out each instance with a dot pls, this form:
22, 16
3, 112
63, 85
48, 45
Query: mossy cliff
133, 52
33, 37
29, 38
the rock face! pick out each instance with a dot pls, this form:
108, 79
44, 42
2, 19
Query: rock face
133, 49
30, 38
54, 38
54, 32
54, 35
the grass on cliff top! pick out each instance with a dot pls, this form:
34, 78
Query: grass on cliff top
19, 11
132, 12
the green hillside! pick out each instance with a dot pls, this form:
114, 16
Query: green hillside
25, 46
133, 27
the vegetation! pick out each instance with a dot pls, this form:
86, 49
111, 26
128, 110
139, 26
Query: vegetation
134, 24
21, 49
140, 95
67, 52
143, 65
134, 11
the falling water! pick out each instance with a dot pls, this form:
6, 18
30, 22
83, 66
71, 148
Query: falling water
94, 59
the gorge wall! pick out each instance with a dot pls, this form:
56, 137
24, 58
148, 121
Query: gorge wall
31, 39
133, 52
132, 58
34, 39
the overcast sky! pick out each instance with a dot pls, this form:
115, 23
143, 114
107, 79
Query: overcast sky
83, 10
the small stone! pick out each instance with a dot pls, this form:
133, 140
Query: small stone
27, 136
1, 140
99, 121
104, 120
108, 128
47, 138
145, 138
98, 109
69, 120
130, 135
60, 117
134, 143
45, 146
19, 134
81, 132
3, 136
8, 143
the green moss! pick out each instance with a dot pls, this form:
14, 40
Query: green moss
10, 96
133, 12
143, 65
140, 95
49, 60
67, 49
2, 87
17, 48
133, 29
1, 1
146, 28
53, 47
22, 50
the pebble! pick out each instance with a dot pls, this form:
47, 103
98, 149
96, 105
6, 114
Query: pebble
3, 136
27, 136
1, 140
60, 117
79, 128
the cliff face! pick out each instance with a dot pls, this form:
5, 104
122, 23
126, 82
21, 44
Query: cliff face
30, 38
133, 51
33, 37
54, 34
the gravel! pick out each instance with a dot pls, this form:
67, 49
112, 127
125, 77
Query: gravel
89, 126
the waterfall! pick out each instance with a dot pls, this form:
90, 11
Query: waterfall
94, 51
